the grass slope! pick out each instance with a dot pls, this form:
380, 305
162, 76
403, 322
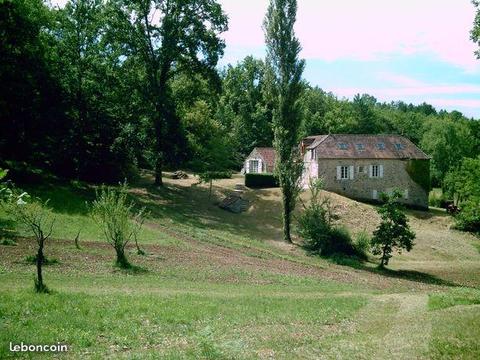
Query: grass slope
218, 285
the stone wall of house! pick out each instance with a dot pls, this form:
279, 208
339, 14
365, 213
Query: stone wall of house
364, 187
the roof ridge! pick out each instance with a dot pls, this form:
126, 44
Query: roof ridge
373, 135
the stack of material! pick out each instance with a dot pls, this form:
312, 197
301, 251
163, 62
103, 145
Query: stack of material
179, 175
234, 203
240, 187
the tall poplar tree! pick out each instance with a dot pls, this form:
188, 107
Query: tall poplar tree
286, 69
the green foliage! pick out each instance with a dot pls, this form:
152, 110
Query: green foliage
462, 184
362, 244
436, 198
34, 215
368, 121
4, 191
186, 39
8, 242
475, 33
458, 296
315, 226
419, 171
119, 222
261, 180
245, 107
447, 141
393, 231
468, 219
285, 71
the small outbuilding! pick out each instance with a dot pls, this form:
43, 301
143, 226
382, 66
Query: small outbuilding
261, 160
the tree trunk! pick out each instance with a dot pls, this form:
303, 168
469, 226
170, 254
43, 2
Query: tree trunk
384, 259
122, 261
158, 170
287, 217
39, 285
159, 144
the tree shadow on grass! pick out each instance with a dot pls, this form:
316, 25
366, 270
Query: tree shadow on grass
425, 215
130, 270
70, 198
192, 206
410, 275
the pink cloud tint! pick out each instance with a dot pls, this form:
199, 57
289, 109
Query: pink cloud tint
366, 30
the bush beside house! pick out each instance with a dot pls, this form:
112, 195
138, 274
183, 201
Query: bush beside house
264, 180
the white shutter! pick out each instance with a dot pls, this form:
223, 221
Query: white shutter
339, 172
381, 171
370, 170
352, 172
375, 194
260, 168
247, 167
406, 194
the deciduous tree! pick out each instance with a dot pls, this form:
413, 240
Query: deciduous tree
393, 231
167, 36
35, 216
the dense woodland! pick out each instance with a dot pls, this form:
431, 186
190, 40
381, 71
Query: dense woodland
99, 89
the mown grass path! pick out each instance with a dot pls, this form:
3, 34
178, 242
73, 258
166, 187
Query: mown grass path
409, 335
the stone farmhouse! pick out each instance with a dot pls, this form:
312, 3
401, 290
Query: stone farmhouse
358, 166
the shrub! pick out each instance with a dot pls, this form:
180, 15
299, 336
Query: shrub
261, 181
362, 244
435, 199
469, 217
315, 226
115, 214
340, 242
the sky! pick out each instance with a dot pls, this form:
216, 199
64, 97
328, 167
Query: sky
411, 50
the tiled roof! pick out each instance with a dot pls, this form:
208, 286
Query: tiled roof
346, 146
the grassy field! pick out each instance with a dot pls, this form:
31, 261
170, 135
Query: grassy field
216, 285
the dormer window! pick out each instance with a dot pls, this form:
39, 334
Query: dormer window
381, 146
360, 147
399, 146
343, 146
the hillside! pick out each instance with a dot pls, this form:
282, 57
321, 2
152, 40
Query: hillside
221, 285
